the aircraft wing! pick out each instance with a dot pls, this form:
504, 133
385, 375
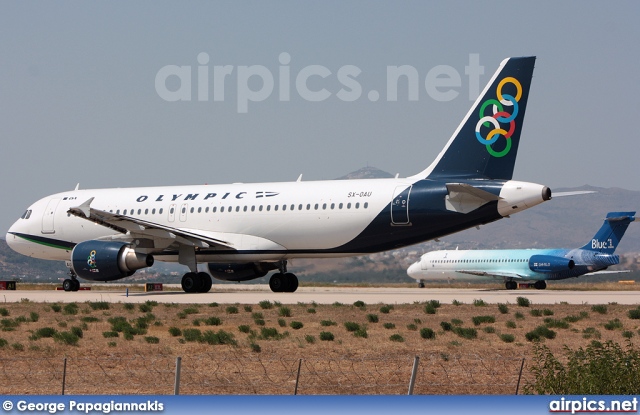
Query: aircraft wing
162, 235
491, 274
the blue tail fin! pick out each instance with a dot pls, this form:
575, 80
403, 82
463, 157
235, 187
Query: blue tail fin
485, 144
608, 237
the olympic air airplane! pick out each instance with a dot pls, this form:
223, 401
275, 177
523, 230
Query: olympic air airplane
243, 231
528, 265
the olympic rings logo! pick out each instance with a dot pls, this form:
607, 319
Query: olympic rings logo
499, 117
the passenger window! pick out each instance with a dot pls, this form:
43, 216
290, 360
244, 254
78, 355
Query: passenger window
160, 211
244, 209
358, 205
324, 206
199, 210
221, 209
213, 209
125, 212
333, 206
316, 207
260, 208
348, 205
275, 208
139, 211
268, 208
206, 210
340, 206
253, 208
191, 210
153, 211
366, 205
146, 211
237, 208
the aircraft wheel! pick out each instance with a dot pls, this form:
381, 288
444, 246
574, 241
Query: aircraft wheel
76, 285
206, 282
421, 284
68, 285
540, 285
511, 285
190, 282
291, 282
277, 282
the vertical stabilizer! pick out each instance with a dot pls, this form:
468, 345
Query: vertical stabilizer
485, 144
608, 237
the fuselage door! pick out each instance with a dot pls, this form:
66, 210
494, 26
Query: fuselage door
400, 206
48, 216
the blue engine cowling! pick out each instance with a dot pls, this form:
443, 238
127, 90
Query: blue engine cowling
550, 264
107, 260
240, 272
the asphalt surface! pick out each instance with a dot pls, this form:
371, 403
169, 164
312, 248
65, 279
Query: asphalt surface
252, 294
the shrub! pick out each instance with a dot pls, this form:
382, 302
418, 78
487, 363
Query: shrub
599, 308
219, 337
327, 323
3, 343
456, 302
191, 310
466, 333
296, 325
427, 333
510, 324
212, 321
44, 332
310, 339
110, 334
446, 326
99, 305
434, 303
284, 312
259, 322
456, 322
634, 314
17, 347
77, 331
265, 304
70, 309
412, 327
507, 338
489, 329
267, 333
590, 332
503, 308
4, 312
598, 369
540, 332
248, 308
311, 310
535, 312
519, 316
244, 328
337, 304
89, 319
479, 303
389, 326
396, 338
66, 337
232, 309
145, 308
33, 316
351, 326
613, 324
56, 308
385, 309
255, 347
429, 309
191, 335
477, 320
547, 312
152, 340
359, 304
523, 301
129, 306
361, 332
627, 334
372, 318
326, 336
282, 322
560, 324
257, 316
175, 332
214, 304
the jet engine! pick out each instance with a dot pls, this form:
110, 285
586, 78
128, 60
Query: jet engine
107, 260
240, 272
550, 264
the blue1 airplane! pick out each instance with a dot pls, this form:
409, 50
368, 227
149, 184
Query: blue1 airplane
527, 265
243, 231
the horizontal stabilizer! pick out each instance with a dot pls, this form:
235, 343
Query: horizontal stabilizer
464, 198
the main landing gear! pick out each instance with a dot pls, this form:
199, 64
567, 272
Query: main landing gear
283, 281
538, 285
196, 282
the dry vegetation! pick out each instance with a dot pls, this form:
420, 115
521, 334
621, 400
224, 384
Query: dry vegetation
380, 336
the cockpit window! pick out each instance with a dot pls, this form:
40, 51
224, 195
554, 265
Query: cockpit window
26, 214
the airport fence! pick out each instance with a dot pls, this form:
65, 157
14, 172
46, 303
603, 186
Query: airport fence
211, 374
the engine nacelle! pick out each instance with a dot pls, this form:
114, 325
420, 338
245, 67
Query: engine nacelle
550, 264
107, 260
240, 272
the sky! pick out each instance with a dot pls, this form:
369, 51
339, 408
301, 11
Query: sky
125, 94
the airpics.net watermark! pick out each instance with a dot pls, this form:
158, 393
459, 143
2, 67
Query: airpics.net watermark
257, 83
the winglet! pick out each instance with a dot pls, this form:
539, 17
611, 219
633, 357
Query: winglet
84, 208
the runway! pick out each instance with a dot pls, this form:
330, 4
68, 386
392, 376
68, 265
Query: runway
253, 294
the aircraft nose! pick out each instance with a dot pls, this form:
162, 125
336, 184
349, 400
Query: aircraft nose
413, 270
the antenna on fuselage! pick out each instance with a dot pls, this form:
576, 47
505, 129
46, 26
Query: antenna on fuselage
77, 186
